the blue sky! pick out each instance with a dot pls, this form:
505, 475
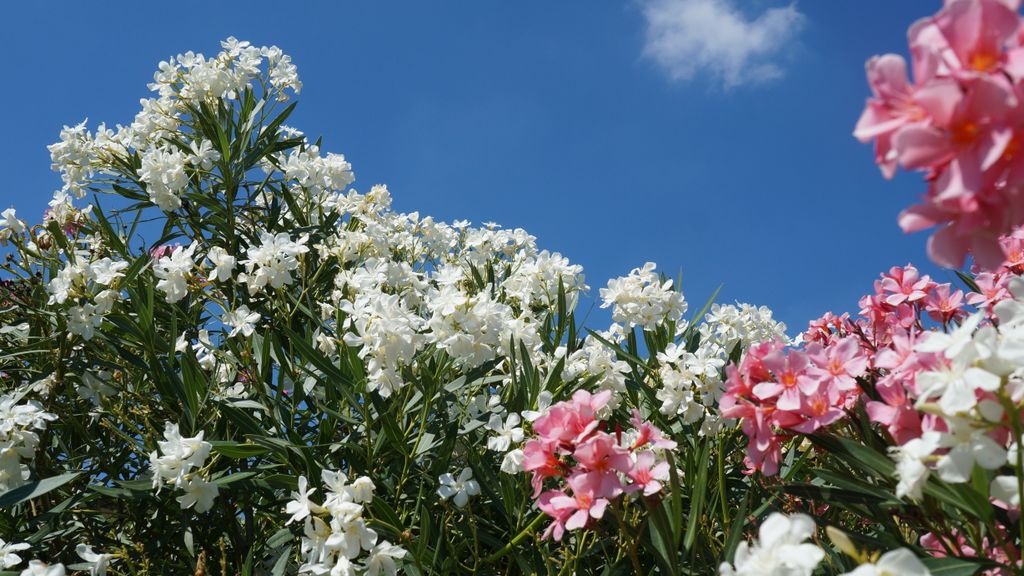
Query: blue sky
557, 117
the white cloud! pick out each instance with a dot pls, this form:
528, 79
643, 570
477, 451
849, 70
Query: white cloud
686, 37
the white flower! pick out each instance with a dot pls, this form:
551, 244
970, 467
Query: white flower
512, 463
38, 568
223, 264
900, 562
203, 155
241, 320
272, 261
958, 344
955, 387
97, 562
104, 271
180, 455
642, 299
163, 172
8, 558
300, 506
781, 551
504, 434
198, 493
361, 490
967, 446
461, 488
174, 272
83, 321
382, 559
543, 403
105, 301
9, 224
1006, 489
911, 467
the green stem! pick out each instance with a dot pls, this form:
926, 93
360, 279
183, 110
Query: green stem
517, 539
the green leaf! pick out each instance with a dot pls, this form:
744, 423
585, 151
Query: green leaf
35, 489
237, 449
951, 566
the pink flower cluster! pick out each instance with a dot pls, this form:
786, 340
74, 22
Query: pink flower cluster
595, 466
961, 121
778, 392
778, 389
1004, 554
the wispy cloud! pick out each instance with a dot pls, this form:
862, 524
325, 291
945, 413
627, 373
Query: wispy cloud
687, 37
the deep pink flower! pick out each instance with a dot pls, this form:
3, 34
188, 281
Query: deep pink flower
819, 410
163, 250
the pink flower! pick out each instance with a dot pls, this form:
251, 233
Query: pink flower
572, 421
962, 123
944, 304
164, 250
819, 410
903, 285
994, 289
649, 434
648, 473
971, 36
559, 513
602, 457
587, 500
791, 379
539, 457
896, 104
839, 364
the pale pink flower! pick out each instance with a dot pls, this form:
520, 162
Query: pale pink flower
587, 500
648, 473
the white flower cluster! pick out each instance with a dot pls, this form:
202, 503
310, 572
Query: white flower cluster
87, 280
726, 326
181, 82
642, 299
181, 464
333, 546
174, 271
317, 173
18, 438
272, 261
982, 366
163, 171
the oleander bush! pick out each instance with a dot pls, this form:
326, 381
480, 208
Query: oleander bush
217, 356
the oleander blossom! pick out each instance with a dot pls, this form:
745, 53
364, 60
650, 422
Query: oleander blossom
337, 537
900, 343
781, 549
592, 467
960, 121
